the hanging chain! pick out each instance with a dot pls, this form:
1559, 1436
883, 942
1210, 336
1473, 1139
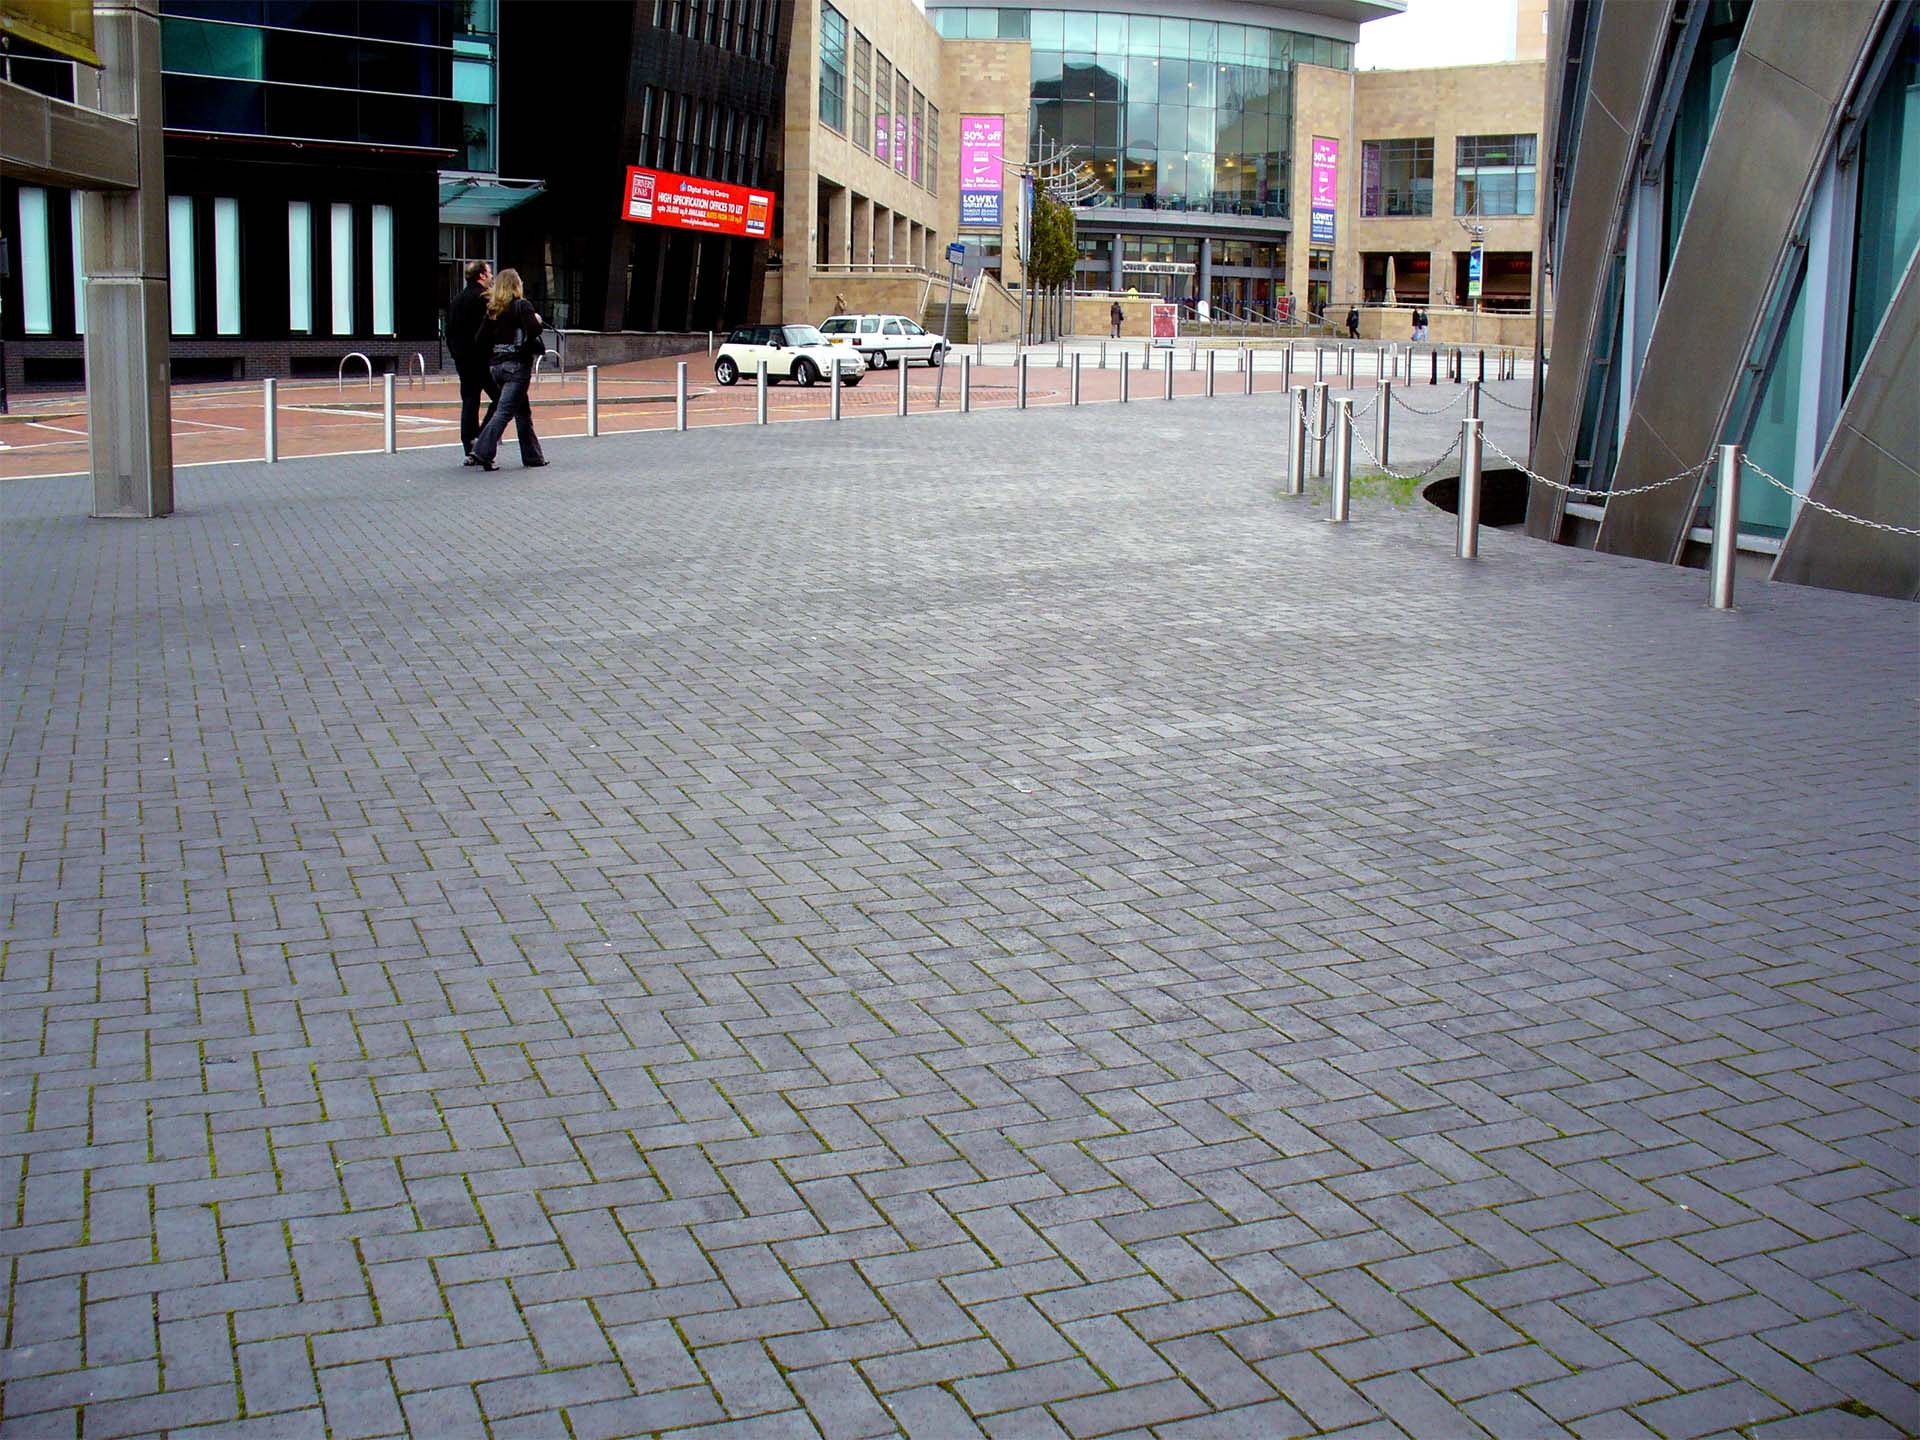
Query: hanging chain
1489, 395
1367, 450
1595, 496
1418, 411
1826, 509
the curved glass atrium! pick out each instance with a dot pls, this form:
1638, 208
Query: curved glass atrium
1173, 114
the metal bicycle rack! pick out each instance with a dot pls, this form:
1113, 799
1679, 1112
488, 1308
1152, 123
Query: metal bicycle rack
340, 375
419, 361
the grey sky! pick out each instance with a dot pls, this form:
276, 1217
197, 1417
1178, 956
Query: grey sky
1438, 32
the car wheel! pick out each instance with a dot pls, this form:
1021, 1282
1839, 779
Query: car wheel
804, 374
725, 371
939, 354
877, 359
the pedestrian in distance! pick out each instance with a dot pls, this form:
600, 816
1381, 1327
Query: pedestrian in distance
1419, 323
470, 361
1353, 322
511, 336
1114, 317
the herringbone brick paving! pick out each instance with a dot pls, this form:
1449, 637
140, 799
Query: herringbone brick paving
987, 924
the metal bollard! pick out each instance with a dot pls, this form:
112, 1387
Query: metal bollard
1726, 524
1338, 496
1020, 380
966, 384
1433, 367
760, 395
979, 352
1322, 414
1212, 355
1123, 376
1103, 354
1379, 362
1073, 380
680, 396
1319, 364
1469, 546
833, 391
1059, 354
390, 427
593, 399
1383, 421
1168, 368
1193, 356
1297, 445
1246, 380
1473, 399
903, 381
1289, 353
709, 342
1483, 367
273, 421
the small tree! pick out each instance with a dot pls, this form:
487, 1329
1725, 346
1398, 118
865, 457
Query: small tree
1050, 266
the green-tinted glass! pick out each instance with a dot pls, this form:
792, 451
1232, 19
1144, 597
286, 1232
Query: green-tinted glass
1112, 37
231, 51
1047, 29
1888, 223
1143, 35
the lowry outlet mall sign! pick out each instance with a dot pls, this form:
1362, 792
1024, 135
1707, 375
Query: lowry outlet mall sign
685, 202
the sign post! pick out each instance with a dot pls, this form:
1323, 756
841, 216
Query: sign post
956, 256
1476, 261
1163, 324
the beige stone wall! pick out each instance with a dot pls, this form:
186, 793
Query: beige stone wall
875, 214
1322, 105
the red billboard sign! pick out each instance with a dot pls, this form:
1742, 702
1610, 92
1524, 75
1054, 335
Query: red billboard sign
685, 202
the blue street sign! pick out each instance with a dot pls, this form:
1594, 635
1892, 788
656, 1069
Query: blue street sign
956, 254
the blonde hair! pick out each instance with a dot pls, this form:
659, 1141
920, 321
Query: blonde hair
503, 292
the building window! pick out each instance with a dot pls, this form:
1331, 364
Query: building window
1494, 174
883, 117
383, 270
180, 276
933, 150
36, 263
1888, 208
862, 91
226, 266
902, 104
833, 69
1396, 177
79, 266
342, 258
919, 130
299, 267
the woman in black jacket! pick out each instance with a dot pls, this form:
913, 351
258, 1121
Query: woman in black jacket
510, 337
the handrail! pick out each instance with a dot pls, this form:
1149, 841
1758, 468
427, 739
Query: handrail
421, 360
340, 375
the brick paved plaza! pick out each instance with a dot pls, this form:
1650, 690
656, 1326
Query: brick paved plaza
990, 923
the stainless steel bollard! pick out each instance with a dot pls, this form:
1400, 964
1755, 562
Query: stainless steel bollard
1379, 362
1469, 545
1383, 421
902, 363
1212, 355
273, 421
1246, 379
593, 399
833, 391
1020, 381
760, 395
979, 352
1319, 364
390, 423
1103, 354
1059, 354
1193, 356
1338, 497
1726, 524
1124, 358
1297, 444
1322, 423
1073, 380
680, 396
966, 384
1168, 368
1473, 399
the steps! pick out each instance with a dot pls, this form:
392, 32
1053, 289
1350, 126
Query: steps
932, 317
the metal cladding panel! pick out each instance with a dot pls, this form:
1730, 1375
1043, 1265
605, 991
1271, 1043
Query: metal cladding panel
1625, 52
1868, 470
1771, 132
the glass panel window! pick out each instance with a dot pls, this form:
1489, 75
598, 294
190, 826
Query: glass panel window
883, 113
299, 267
192, 47
1699, 105
1888, 212
863, 91
983, 24
36, 263
180, 276
1494, 174
919, 129
342, 259
226, 266
1396, 177
1048, 29
473, 71
79, 267
833, 69
902, 104
933, 149
383, 270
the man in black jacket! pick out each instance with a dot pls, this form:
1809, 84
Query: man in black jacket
470, 360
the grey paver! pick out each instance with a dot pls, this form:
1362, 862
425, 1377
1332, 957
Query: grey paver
808, 931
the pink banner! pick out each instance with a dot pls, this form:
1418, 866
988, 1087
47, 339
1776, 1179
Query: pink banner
982, 145
1323, 190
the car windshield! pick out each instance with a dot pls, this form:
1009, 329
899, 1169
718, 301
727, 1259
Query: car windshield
803, 335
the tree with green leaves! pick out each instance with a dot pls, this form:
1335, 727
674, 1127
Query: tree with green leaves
1054, 254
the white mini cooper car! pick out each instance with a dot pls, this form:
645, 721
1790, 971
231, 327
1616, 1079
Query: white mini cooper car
885, 339
793, 352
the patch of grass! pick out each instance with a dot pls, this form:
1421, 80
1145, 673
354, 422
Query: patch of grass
1375, 484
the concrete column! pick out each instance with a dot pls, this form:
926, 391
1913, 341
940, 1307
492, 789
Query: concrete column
130, 437
840, 226
1115, 275
902, 240
862, 230
1205, 290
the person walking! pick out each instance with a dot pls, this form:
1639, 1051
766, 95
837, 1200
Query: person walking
470, 360
1419, 324
511, 337
1114, 317
1353, 322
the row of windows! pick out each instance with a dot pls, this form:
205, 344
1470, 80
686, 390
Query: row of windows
1162, 35
1148, 79
892, 120
740, 27
395, 22
188, 218
699, 137
1493, 175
